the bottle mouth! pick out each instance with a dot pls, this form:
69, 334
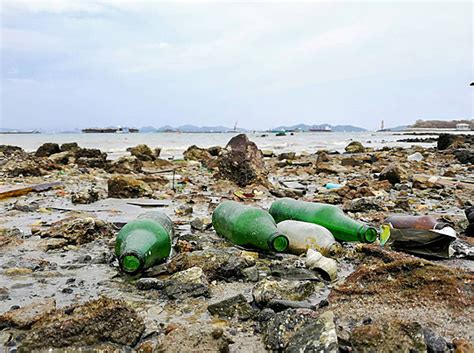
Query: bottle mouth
279, 242
370, 235
131, 263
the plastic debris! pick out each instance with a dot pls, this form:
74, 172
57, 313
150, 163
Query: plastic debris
316, 261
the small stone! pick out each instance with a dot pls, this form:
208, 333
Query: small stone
143, 153
434, 342
201, 223
289, 156
188, 283
355, 147
416, 157
149, 283
235, 306
184, 210
251, 274
393, 173
86, 196
267, 290
120, 186
61, 157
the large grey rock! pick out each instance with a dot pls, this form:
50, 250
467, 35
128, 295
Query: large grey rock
47, 149
267, 290
235, 306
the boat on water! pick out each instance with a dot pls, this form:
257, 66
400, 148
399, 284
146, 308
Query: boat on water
109, 130
19, 132
324, 129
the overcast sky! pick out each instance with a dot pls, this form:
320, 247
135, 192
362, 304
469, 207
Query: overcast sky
73, 64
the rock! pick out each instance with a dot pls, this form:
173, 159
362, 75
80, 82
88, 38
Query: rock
415, 157
462, 346
214, 150
355, 147
251, 274
393, 173
184, 210
201, 223
364, 204
86, 196
61, 157
125, 165
198, 337
9, 150
465, 156
90, 158
26, 206
95, 322
24, 168
79, 230
434, 342
330, 168
69, 146
446, 141
195, 153
25, 317
47, 149
317, 336
281, 327
149, 283
267, 290
143, 153
242, 162
470, 217
287, 192
392, 336
217, 264
235, 306
10, 237
289, 156
280, 304
120, 186
268, 153
188, 283
350, 162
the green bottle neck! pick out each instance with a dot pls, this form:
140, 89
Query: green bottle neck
278, 242
367, 234
131, 262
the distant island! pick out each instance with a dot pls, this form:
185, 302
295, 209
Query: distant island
321, 127
442, 124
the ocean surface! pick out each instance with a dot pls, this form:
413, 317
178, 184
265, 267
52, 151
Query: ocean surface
174, 144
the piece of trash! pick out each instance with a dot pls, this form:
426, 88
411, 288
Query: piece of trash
316, 261
331, 217
303, 236
416, 157
149, 203
248, 226
247, 195
414, 222
15, 191
430, 243
331, 186
144, 242
293, 185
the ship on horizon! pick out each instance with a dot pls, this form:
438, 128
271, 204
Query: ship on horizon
321, 129
109, 130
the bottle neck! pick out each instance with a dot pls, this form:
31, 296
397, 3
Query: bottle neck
367, 234
278, 242
131, 262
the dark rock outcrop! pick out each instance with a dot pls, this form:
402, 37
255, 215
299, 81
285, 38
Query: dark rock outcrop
47, 149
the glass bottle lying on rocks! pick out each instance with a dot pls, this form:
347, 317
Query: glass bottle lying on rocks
144, 242
248, 227
331, 217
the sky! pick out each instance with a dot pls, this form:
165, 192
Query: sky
78, 63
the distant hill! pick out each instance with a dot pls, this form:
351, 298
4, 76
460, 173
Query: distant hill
336, 128
190, 128
441, 124
398, 128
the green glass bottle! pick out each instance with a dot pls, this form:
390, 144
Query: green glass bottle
331, 217
144, 242
248, 226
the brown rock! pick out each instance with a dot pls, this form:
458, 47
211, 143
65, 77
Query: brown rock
393, 173
95, 322
242, 162
26, 316
195, 153
143, 153
355, 147
127, 187
125, 165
